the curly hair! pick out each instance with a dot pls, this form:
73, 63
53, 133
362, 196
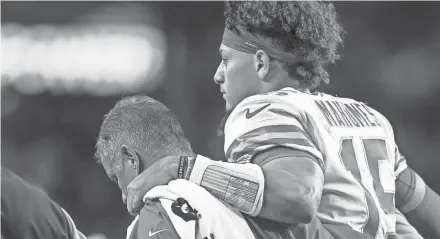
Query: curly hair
308, 28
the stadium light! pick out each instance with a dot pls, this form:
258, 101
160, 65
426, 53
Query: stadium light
99, 59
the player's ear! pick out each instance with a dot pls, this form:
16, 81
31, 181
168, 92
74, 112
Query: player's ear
262, 64
130, 156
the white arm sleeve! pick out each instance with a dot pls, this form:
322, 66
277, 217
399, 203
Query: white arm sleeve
239, 185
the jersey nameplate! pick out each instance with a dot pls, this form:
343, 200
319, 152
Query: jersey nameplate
339, 114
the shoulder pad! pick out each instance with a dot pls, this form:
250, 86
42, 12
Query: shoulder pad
265, 121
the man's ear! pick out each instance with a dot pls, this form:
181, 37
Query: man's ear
262, 64
130, 155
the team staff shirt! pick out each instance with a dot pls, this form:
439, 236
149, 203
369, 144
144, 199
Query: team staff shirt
353, 144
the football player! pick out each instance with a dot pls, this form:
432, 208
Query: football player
325, 156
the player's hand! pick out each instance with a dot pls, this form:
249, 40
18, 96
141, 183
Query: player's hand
160, 173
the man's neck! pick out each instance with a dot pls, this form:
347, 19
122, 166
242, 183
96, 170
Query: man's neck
279, 79
278, 85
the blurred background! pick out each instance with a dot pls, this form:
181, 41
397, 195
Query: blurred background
65, 64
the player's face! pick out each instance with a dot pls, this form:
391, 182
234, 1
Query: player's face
236, 76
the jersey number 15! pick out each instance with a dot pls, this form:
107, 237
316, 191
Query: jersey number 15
374, 153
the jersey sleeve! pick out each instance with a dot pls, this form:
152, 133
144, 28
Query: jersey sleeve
263, 122
400, 164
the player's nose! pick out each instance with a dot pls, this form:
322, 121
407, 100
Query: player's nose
219, 76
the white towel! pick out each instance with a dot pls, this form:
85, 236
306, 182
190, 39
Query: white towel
216, 218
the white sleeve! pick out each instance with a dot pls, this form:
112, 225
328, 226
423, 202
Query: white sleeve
400, 164
239, 185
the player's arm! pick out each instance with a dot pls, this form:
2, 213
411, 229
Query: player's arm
292, 184
293, 180
418, 202
286, 188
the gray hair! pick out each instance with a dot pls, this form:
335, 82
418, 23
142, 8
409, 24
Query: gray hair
143, 122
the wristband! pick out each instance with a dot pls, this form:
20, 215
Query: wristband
180, 169
190, 165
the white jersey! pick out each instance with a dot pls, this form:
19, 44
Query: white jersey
352, 142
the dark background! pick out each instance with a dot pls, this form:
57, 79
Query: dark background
391, 60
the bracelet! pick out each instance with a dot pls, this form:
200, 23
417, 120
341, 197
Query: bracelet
190, 166
185, 165
181, 167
